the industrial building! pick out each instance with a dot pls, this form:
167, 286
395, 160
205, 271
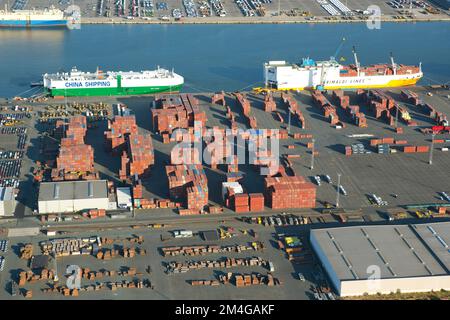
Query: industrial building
72, 196
7, 202
383, 259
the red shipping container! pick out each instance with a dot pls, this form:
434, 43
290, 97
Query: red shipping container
422, 149
241, 209
409, 149
442, 210
240, 199
256, 202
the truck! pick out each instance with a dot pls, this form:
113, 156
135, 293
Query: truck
183, 234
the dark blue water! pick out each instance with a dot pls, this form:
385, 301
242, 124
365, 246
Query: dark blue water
214, 57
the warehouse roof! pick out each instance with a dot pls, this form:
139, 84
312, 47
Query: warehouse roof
437, 238
397, 250
67, 190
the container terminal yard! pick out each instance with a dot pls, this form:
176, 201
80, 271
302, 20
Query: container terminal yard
244, 11
96, 182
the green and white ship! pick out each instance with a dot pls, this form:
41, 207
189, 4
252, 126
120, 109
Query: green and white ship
77, 83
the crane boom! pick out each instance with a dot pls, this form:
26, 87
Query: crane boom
333, 57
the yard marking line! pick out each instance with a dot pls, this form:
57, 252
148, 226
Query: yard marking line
349, 177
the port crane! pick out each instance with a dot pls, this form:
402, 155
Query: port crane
339, 48
332, 60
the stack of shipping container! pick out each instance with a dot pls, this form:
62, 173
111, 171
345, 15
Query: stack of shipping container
244, 104
289, 192
219, 97
294, 108
118, 129
188, 184
343, 101
170, 112
410, 97
138, 157
75, 159
329, 111
185, 155
239, 202
269, 103
256, 202
379, 104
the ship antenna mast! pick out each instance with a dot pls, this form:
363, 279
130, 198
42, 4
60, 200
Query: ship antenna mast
356, 59
394, 66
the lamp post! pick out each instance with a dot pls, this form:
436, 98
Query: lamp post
338, 190
289, 121
430, 161
312, 153
396, 117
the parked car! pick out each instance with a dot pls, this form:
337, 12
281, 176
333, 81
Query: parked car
301, 277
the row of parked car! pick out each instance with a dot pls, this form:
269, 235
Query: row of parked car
22, 141
4, 245
2, 262
280, 220
10, 168
12, 182
13, 130
11, 154
3, 248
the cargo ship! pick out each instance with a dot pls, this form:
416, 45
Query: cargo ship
77, 83
330, 74
32, 18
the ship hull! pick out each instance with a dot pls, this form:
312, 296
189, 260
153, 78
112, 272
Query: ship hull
123, 91
32, 23
389, 84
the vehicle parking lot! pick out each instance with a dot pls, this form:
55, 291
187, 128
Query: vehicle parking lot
219, 9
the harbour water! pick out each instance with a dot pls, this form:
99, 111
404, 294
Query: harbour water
214, 57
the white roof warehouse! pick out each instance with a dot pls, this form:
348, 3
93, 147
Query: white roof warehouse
72, 196
384, 259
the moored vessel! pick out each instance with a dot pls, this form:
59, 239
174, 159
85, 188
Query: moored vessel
330, 74
111, 83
